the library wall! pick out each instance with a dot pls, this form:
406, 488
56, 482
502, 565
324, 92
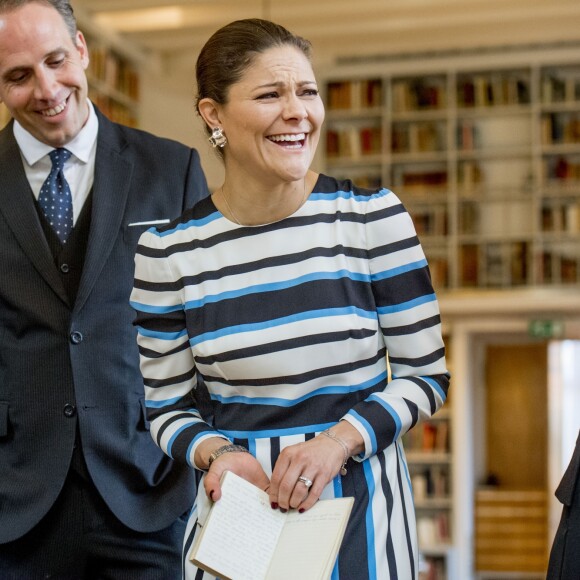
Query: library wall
485, 156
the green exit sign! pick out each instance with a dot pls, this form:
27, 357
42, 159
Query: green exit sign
546, 328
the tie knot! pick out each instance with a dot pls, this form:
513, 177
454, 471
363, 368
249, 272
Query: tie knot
59, 157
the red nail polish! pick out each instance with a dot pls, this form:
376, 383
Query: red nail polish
274, 505
283, 510
301, 510
211, 495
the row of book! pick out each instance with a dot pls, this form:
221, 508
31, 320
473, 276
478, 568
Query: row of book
417, 137
494, 264
420, 181
428, 436
560, 128
419, 94
433, 530
562, 217
355, 94
114, 110
115, 72
561, 169
559, 267
558, 89
493, 90
430, 481
353, 142
473, 90
430, 221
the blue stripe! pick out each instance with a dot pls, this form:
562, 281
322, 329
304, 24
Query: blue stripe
370, 526
278, 402
161, 335
406, 305
348, 195
273, 287
323, 313
272, 433
369, 430
194, 441
435, 385
398, 271
155, 309
190, 224
160, 404
337, 488
392, 412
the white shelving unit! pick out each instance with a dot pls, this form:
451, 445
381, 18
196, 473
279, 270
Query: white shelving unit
483, 150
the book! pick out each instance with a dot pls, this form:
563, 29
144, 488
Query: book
243, 538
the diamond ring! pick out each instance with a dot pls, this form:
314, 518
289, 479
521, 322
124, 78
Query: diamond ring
307, 482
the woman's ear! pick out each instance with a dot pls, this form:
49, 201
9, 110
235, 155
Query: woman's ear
208, 109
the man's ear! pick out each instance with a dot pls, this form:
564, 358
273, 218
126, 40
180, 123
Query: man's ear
81, 45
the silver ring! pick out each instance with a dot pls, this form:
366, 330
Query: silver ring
307, 482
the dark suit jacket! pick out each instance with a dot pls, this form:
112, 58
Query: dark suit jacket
565, 554
54, 354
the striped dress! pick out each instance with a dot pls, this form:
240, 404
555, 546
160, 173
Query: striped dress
290, 324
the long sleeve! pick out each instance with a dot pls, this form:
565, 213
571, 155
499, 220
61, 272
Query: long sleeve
166, 360
409, 318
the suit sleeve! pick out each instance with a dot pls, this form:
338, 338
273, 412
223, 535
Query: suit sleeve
166, 361
196, 184
408, 313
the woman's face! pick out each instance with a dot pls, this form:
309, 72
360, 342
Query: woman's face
273, 117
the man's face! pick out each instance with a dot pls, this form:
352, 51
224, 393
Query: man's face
42, 73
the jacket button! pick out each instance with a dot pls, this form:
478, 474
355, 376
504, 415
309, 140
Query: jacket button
69, 410
64, 268
76, 337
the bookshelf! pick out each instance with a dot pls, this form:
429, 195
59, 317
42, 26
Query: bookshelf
113, 82
484, 152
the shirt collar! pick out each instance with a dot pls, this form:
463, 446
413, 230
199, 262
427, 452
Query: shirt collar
33, 150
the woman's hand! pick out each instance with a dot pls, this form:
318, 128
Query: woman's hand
318, 460
241, 463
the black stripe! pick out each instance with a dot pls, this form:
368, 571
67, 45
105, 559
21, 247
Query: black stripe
284, 345
419, 361
388, 494
309, 296
312, 411
301, 377
405, 517
412, 328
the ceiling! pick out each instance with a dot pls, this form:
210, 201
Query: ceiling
176, 29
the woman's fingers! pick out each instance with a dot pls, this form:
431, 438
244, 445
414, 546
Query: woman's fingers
242, 464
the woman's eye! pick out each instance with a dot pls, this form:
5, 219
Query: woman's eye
268, 96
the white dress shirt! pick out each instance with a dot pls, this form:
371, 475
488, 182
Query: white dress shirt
79, 170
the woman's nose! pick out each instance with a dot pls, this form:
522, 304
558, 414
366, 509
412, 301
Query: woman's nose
295, 108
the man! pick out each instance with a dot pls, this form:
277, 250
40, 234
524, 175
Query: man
84, 491
565, 554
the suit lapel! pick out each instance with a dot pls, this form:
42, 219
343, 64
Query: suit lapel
17, 206
113, 173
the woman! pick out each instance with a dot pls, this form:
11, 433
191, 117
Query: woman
285, 291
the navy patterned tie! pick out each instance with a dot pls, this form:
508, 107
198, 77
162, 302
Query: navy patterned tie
55, 197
